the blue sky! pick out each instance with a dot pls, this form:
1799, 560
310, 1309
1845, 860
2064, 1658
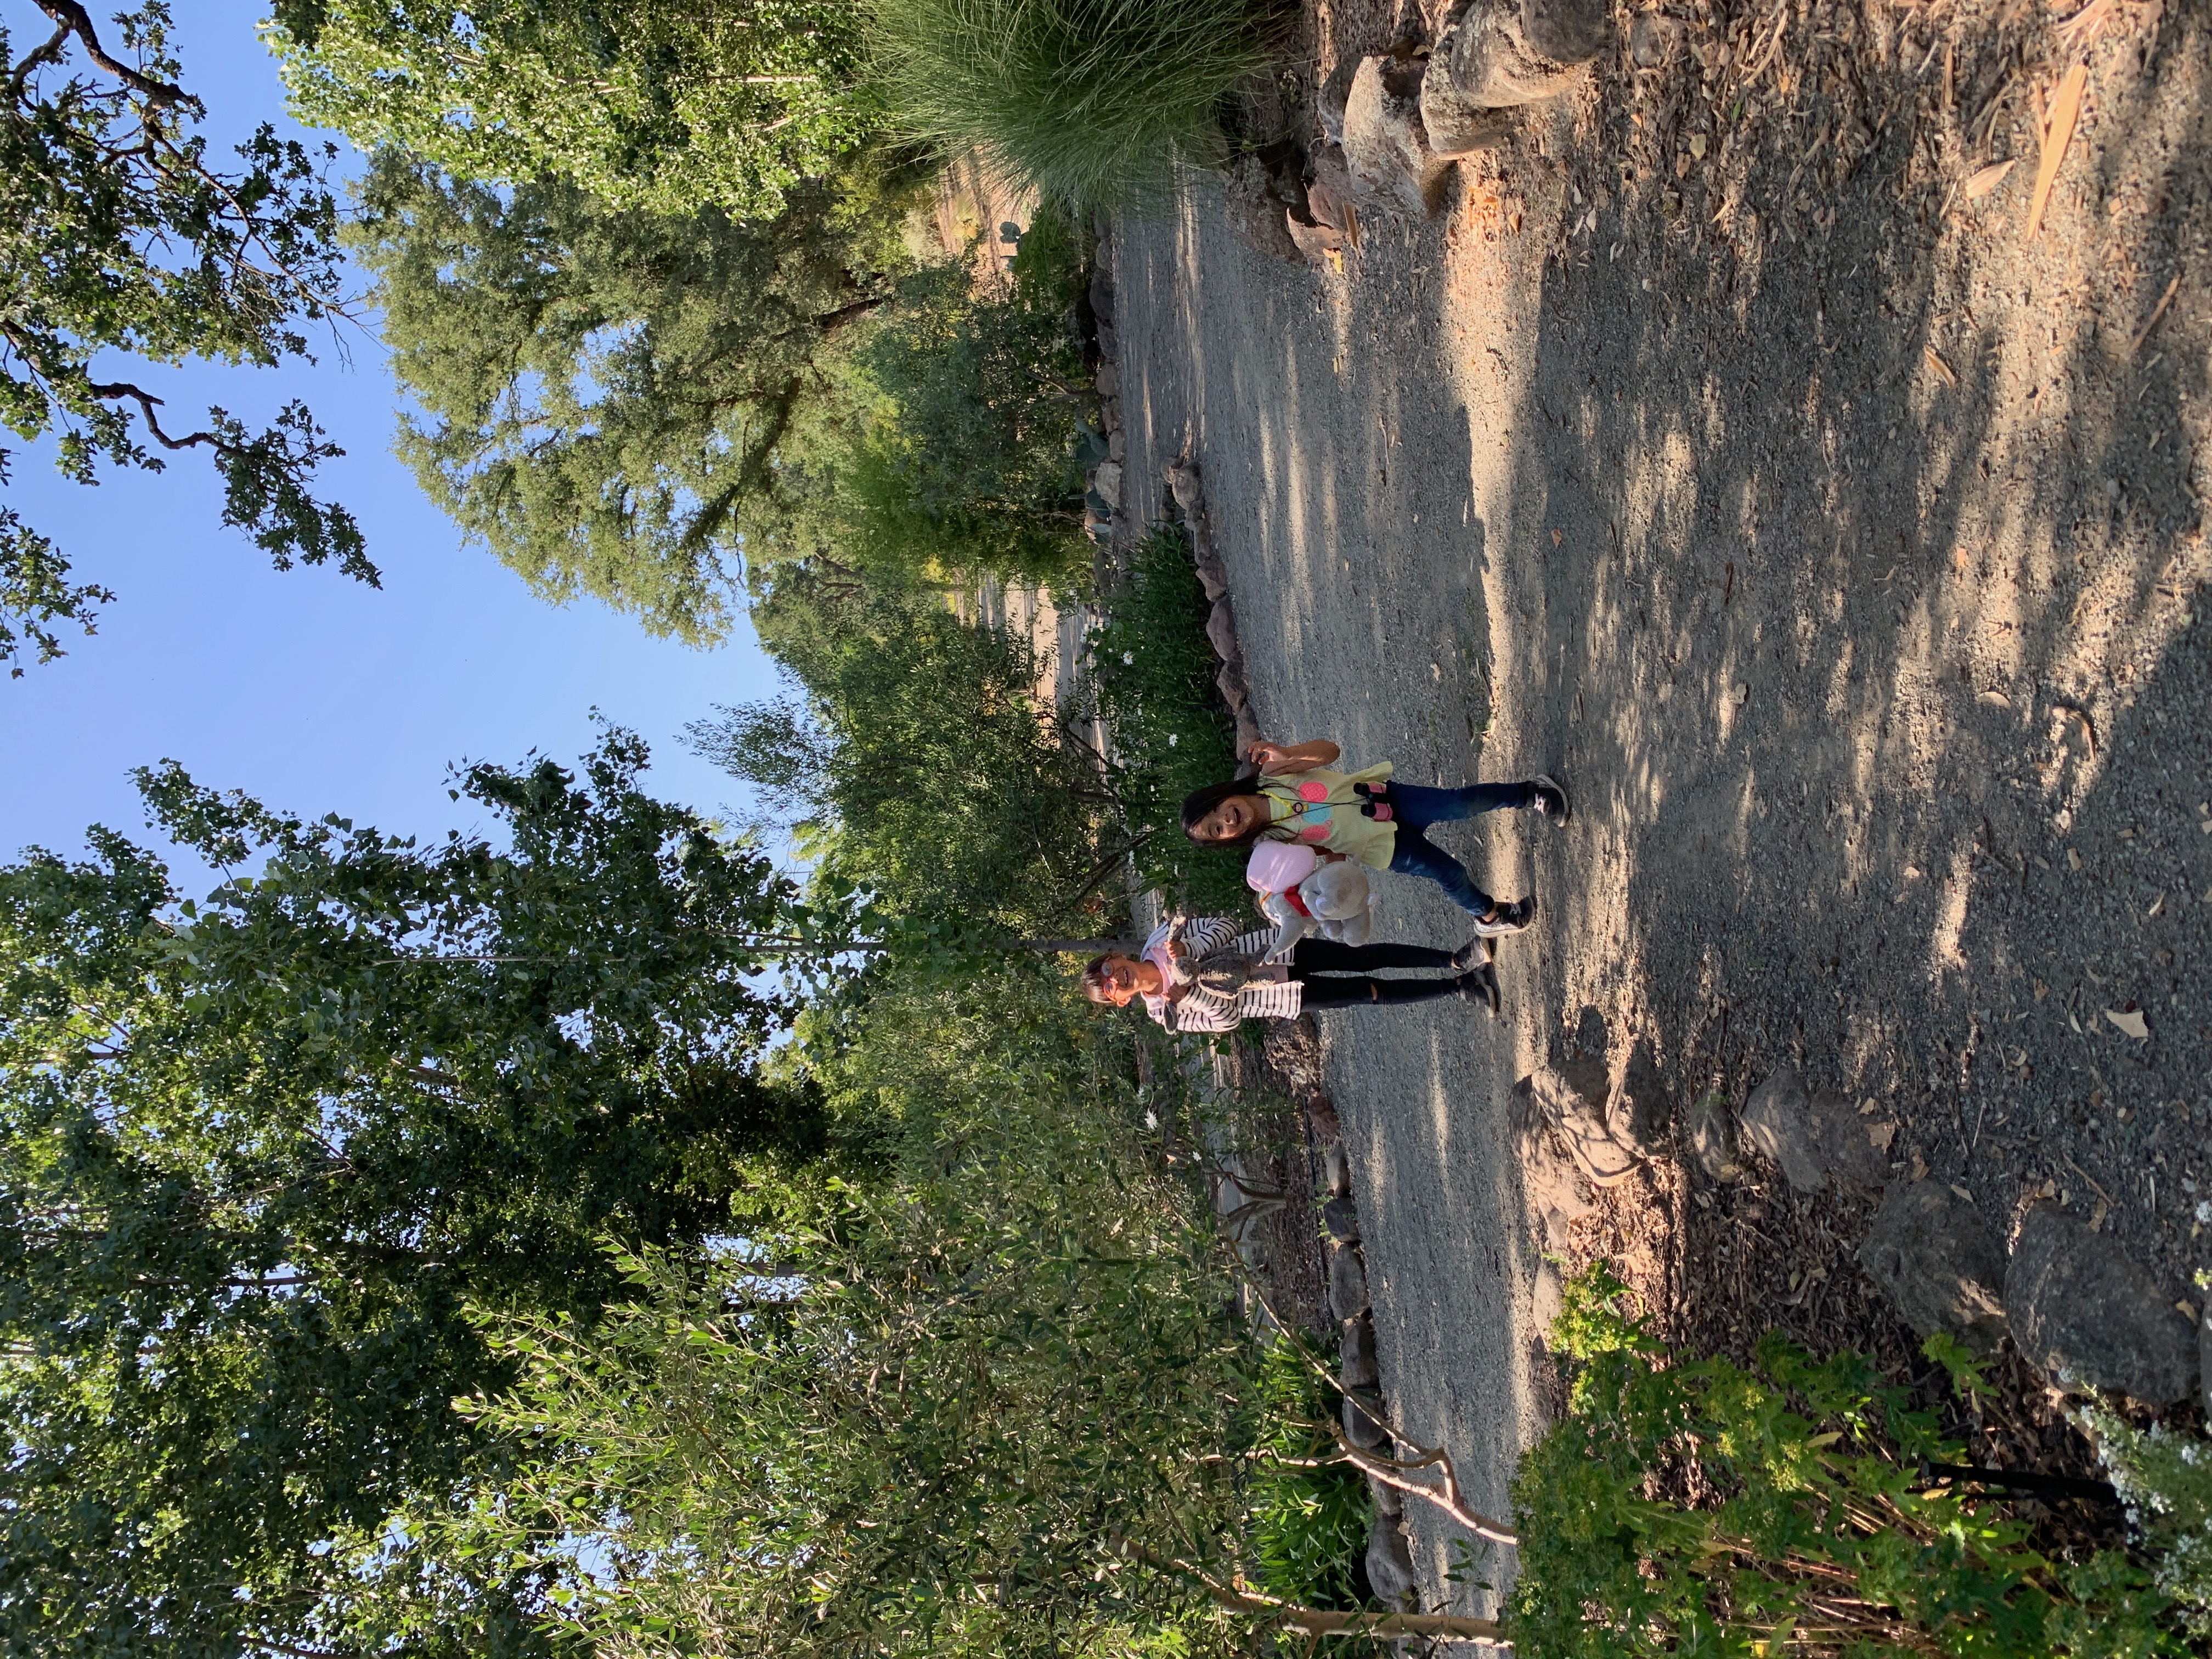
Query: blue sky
305, 688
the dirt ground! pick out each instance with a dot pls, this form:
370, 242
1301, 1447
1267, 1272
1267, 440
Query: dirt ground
1716, 449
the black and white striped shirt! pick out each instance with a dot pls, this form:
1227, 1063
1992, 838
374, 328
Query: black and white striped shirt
1212, 942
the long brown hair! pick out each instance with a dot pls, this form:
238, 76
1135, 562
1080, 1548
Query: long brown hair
1197, 804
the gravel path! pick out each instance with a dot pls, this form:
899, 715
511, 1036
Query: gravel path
1803, 618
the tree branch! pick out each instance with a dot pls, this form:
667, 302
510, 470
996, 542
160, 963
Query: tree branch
74, 19
148, 403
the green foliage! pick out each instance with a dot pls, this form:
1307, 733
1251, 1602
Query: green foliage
644, 103
1821, 1535
1309, 1526
258, 1153
931, 775
118, 236
2164, 1476
617, 403
985, 405
1152, 670
1095, 103
991, 1377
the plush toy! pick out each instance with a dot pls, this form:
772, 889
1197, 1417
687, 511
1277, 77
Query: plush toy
1301, 893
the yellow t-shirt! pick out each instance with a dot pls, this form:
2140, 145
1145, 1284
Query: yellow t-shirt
1321, 809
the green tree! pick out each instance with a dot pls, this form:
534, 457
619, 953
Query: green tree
260, 1155
118, 236
644, 103
617, 403
930, 773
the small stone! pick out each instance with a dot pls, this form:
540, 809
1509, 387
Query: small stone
1638, 1112
1651, 39
1320, 1111
1341, 1220
1347, 1283
1107, 480
1336, 1168
1566, 31
1355, 1354
1187, 486
2080, 1308
1107, 381
1221, 631
1854, 1149
1385, 146
1493, 64
1935, 1258
1389, 1564
1361, 1430
1102, 291
1455, 126
1709, 1130
1777, 1122
1117, 446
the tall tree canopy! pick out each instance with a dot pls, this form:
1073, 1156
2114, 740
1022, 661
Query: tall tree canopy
615, 402
644, 103
119, 235
261, 1156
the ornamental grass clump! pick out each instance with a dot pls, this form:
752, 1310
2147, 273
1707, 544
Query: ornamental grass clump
1093, 103
1814, 1531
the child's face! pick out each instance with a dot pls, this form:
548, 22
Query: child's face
1124, 979
1234, 819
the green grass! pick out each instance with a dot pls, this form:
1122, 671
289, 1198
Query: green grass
1152, 676
1309, 1527
1095, 103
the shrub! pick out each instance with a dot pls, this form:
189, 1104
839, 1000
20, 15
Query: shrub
1093, 103
1822, 1536
1309, 1526
1153, 675
2165, 1479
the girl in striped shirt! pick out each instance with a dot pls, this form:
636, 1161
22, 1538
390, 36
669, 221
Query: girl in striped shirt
1202, 976
1293, 794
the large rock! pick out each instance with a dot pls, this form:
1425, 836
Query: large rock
1341, 1220
1221, 631
2080, 1308
1336, 1168
1566, 31
1709, 1135
1935, 1258
1389, 1564
1457, 126
1386, 1498
1335, 93
1107, 480
1813, 1135
1355, 1355
1570, 1098
1492, 63
1639, 1112
1386, 148
1360, 1428
1347, 1283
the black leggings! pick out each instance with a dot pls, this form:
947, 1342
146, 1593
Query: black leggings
1343, 990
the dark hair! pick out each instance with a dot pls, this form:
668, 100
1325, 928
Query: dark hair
1094, 976
1197, 804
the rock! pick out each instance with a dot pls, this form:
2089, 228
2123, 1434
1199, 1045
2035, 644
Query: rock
1330, 194
1386, 148
1855, 1147
1213, 574
1341, 1220
1107, 480
1638, 1112
1107, 381
1336, 1167
1935, 1258
1559, 1232
1335, 93
1355, 1352
1708, 1132
1231, 688
1361, 1430
1187, 487
1651, 39
1316, 242
1256, 212
1347, 1283
1389, 1564
1570, 1098
1117, 446
1102, 292
2081, 1308
1491, 64
1777, 1122
1221, 631
1566, 31
1386, 1499
1546, 1297
1456, 127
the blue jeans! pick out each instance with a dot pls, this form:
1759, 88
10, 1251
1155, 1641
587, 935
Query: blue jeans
1415, 808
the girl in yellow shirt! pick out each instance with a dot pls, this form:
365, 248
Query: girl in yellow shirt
1294, 794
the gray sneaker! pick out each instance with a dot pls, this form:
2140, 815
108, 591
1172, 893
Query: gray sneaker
1481, 948
1481, 985
1513, 916
1551, 802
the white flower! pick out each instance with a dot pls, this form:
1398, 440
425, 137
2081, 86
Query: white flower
1130, 657
1174, 737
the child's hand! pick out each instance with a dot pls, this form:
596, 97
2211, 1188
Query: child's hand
1264, 754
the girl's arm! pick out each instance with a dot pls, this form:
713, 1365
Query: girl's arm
1281, 759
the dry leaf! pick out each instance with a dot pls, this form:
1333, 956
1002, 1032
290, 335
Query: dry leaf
2187, 1309
2058, 132
2157, 312
2157, 906
2072, 858
1881, 1134
1698, 145
2129, 1021
1981, 182
1934, 359
1557, 538
1962, 1192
